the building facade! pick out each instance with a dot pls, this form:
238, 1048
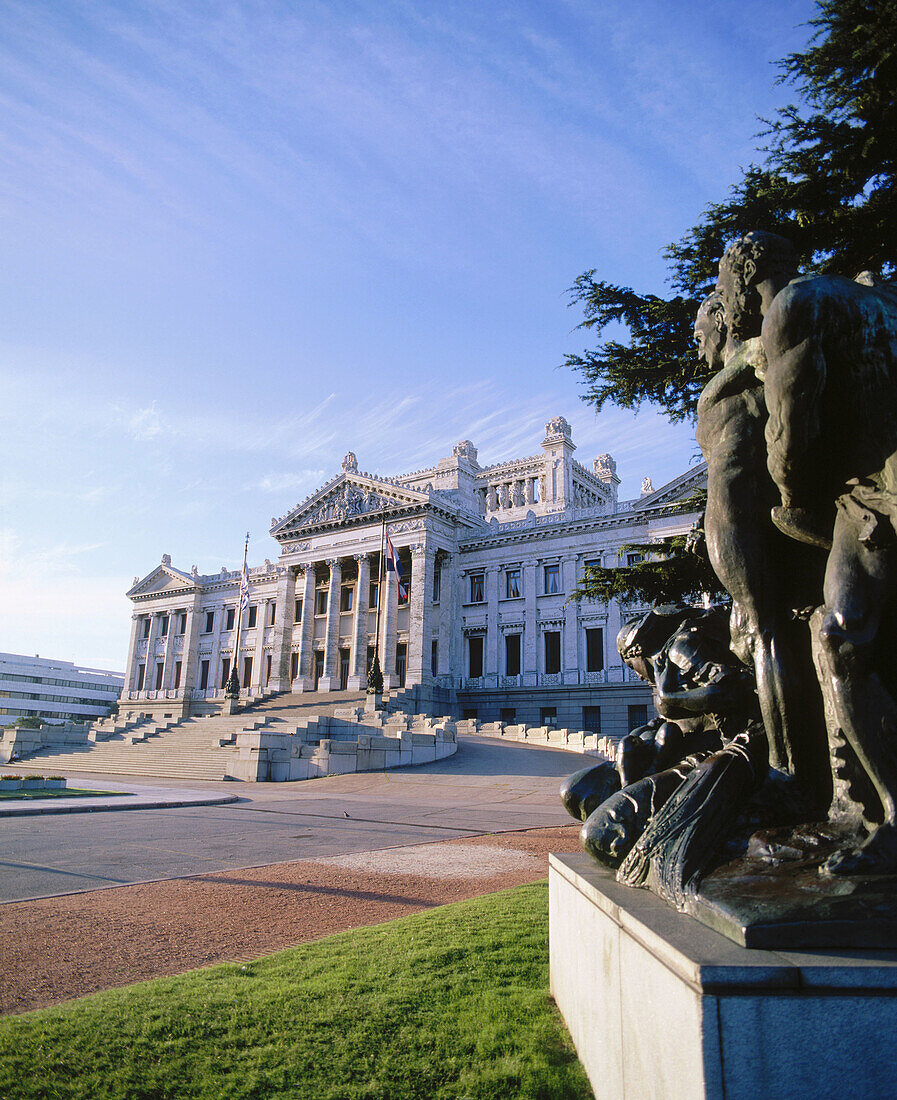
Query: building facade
54, 691
488, 556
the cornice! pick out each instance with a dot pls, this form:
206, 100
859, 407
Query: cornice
561, 528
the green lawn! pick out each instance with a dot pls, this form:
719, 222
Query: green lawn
55, 792
449, 1003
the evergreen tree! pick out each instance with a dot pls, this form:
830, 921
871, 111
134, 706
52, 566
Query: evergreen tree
827, 182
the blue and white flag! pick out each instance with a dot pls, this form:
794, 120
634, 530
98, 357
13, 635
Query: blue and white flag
244, 588
393, 565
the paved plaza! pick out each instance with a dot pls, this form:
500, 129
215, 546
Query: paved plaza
489, 786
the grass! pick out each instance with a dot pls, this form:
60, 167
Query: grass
452, 1003
55, 792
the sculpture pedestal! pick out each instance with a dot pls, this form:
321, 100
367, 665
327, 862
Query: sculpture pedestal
659, 1005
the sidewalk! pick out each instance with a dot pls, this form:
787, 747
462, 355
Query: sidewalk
135, 797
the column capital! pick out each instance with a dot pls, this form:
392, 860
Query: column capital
333, 563
363, 557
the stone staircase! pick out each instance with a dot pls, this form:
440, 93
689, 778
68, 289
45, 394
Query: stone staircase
279, 738
193, 748
208, 748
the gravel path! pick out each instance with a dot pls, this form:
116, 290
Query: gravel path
58, 948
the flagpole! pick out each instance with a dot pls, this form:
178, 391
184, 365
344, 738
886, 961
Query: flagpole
233, 681
375, 676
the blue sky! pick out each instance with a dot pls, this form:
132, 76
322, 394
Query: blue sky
241, 237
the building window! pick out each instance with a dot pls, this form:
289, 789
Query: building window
475, 656
182, 622
592, 563
159, 669
512, 654
434, 657
321, 602
267, 668
405, 591
294, 664
297, 612
437, 584
476, 587
141, 676
552, 580
508, 715
591, 719
548, 716
210, 622
229, 614
373, 594
247, 671
253, 615
634, 559
203, 675
272, 613
163, 626
177, 674
512, 584
594, 649
638, 715
225, 671
552, 651
345, 597
146, 627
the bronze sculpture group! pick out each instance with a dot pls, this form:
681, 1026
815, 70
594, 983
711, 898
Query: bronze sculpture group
780, 712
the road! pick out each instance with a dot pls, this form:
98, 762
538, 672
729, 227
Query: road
488, 786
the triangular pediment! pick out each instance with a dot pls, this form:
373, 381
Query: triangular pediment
348, 498
679, 489
163, 578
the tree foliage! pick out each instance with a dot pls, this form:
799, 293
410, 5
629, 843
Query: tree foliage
669, 573
827, 181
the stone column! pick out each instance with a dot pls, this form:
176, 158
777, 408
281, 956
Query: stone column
168, 658
447, 615
215, 655
570, 649
258, 656
490, 670
131, 666
283, 630
390, 597
149, 673
530, 625
306, 679
190, 654
358, 677
420, 614
330, 680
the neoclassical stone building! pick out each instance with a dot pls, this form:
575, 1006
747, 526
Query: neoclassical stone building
488, 554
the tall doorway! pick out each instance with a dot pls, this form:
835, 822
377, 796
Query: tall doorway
319, 666
343, 669
401, 663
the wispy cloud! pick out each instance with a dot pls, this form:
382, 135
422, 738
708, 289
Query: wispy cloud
145, 424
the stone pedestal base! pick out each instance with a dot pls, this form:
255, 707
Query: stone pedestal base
660, 1006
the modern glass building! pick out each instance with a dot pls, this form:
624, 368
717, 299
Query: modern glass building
54, 691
